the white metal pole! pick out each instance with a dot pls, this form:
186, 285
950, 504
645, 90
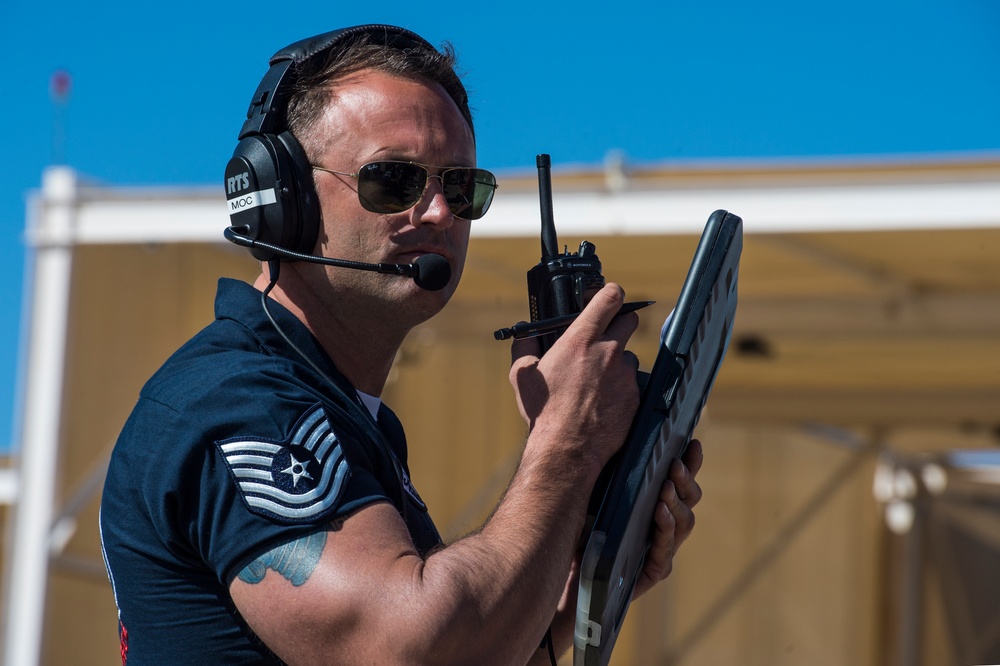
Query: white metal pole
38, 450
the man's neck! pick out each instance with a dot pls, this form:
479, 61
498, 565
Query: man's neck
360, 346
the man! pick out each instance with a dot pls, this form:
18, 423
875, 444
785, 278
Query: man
258, 507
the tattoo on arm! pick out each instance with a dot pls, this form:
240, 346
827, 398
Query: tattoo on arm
294, 560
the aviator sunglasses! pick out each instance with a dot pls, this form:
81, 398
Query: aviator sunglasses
392, 187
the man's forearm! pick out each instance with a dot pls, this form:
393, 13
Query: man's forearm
515, 568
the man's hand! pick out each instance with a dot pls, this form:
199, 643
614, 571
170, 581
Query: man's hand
673, 517
582, 395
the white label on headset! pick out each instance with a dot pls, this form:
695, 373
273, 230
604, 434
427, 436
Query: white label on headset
251, 200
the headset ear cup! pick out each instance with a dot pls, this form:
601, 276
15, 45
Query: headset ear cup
262, 186
255, 207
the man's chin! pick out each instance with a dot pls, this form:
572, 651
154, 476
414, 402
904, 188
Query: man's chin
416, 301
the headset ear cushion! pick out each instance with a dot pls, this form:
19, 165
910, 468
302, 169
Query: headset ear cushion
305, 197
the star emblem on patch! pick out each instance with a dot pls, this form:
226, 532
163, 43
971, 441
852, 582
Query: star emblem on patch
297, 470
292, 481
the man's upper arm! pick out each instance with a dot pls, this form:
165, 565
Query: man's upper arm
329, 595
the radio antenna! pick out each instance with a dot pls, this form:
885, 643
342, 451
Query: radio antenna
550, 242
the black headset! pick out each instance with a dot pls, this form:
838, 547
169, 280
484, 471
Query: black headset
269, 183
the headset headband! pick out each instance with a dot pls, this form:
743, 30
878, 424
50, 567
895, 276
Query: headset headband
267, 108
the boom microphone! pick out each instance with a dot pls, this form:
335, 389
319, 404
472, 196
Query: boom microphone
433, 272
430, 271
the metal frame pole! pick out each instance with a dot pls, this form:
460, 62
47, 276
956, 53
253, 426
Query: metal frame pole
51, 235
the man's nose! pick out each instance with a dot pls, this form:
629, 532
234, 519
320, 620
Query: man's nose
433, 208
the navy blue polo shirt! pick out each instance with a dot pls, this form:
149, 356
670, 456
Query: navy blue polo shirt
236, 445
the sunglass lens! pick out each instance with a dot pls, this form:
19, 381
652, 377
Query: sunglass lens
390, 187
469, 192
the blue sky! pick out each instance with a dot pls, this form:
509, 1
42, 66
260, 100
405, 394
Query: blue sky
159, 90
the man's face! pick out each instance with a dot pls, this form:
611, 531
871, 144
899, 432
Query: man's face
374, 117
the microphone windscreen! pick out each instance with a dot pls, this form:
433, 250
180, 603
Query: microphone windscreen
433, 272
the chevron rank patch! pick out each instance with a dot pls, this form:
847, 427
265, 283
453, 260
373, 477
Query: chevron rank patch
292, 481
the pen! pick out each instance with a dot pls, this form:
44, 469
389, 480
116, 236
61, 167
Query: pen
530, 329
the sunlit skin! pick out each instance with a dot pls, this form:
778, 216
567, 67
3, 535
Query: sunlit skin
425, 126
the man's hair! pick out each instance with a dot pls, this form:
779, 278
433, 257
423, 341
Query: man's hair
316, 81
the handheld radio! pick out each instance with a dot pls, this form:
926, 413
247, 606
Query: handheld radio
560, 283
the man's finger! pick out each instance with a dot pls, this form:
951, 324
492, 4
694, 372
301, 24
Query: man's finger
600, 311
684, 485
525, 348
693, 457
660, 558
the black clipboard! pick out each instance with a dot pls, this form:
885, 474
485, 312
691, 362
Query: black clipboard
692, 346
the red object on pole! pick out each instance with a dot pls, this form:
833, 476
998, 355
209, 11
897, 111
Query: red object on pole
59, 86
